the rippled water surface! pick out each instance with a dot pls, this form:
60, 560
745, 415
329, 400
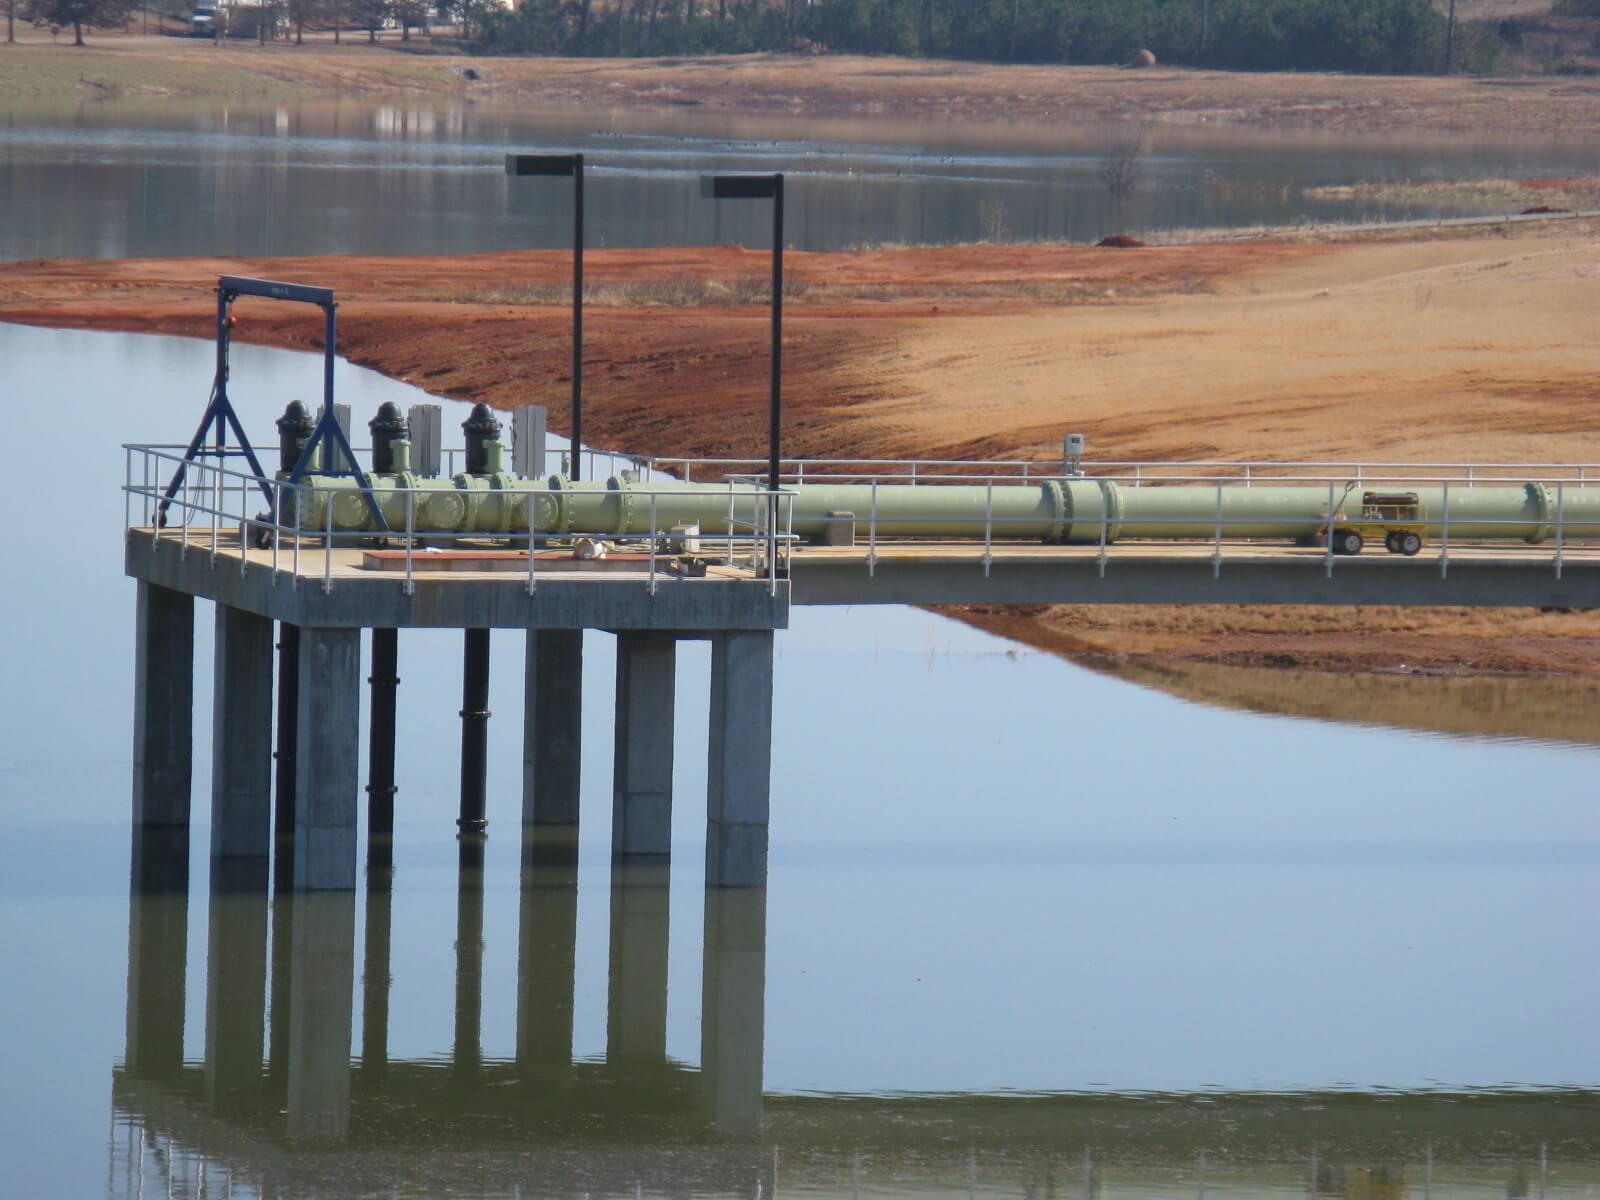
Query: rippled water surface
1029, 929
128, 178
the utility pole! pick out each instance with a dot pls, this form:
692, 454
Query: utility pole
1205, 25
1450, 42
11, 20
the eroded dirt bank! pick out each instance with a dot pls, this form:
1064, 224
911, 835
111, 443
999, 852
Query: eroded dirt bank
117, 65
1467, 348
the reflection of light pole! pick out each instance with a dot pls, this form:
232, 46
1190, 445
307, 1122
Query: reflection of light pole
566, 164
763, 187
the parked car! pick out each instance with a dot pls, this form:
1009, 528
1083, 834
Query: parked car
203, 21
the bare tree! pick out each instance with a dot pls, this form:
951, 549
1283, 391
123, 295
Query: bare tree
1122, 169
77, 13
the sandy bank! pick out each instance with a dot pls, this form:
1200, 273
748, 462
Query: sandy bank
116, 65
1467, 348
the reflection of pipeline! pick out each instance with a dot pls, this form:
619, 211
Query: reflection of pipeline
1067, 510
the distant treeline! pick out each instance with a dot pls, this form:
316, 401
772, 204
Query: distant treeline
1387, 36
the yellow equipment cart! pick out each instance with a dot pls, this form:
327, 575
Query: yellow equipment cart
1399, 518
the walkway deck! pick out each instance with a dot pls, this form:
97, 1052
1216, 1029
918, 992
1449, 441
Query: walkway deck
1508, 575
308, 586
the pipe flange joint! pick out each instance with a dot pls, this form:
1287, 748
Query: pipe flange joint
1544, 503
625, 502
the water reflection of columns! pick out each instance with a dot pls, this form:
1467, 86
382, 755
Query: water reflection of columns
733, 1007
375, 975
158, 929
321, 991
469, 955
636, 1006
546, 960
236, 980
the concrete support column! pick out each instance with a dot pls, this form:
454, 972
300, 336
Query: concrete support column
469, 956
547, 939
288, 726
641, 801
384, 681
241, 736
636, 1006
739, 782
474, 732
321, 992
163, 707
158, 947
236, 981
732, 1007
327, 764
552, 736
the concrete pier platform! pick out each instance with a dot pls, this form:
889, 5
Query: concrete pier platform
326, 599
316, 588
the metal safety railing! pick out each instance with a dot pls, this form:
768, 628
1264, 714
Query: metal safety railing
1099, 530
222, 512
1134, 472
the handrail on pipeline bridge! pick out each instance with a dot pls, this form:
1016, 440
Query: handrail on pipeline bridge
209, 488
769, 545
1132, 471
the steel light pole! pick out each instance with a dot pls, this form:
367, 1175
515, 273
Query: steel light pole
566, 165
763, 187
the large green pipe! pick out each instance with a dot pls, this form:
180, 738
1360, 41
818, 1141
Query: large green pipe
1071, 510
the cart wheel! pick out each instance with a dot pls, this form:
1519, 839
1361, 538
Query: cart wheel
1410, 543
1391, 543
1347, 541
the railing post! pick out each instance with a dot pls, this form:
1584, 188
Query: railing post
1105, 524
277, 526
217, 484
533, 583
1247, 474
872, 534
772, 543
1327, 557
730, 522
988, 526
788, 537
1444, 540
327, 551
410, 587
1138, 474
1561, 525
298, 509
1469, 474
655, 536
1216, 553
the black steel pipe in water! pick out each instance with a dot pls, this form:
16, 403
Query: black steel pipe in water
385, 682
474, 731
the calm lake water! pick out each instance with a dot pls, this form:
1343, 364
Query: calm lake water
131, 178
1029, 929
